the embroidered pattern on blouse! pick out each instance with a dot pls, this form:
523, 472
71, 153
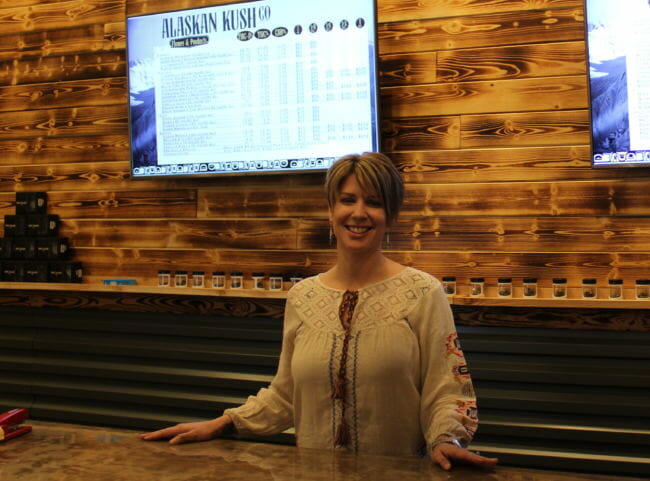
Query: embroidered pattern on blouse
453, 345
391, 301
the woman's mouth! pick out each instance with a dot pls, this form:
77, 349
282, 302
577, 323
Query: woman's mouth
358, 229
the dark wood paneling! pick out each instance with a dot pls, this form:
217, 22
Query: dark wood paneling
397, 10
32, 16
507, 28
96, 38
421, 133
107, 91
64, 67
525, 95
65, 150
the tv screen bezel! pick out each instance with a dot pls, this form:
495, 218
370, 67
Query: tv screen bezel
375, 99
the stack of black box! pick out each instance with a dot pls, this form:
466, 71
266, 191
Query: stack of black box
31, 250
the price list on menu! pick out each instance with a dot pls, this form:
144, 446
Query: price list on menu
274, 98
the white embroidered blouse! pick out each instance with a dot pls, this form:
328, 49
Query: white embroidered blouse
407, 382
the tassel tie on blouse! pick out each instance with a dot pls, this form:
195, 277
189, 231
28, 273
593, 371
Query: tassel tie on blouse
339, 391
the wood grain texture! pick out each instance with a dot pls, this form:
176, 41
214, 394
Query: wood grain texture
504, 234
59, 15
106, 91
524, 95
272, 309
421, 133
407, 69
100, 120
114, 204
492, 29
65, 150
64, 67
77, 40
140, 7
399, 10
186, 233
509, 62
566, 127
570, 163
594, 198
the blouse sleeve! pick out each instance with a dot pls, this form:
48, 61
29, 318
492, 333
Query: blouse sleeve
270, 411
447, 402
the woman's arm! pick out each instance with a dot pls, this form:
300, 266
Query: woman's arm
191, 432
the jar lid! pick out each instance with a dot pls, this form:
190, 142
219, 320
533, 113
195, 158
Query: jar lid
448, 279
559, 280
589, 281
275, 274
218, 273
164, 272
504, 280
616, 282
477, 279
236, 273
257, 274
197, 273
643, 282
530, 280
181, 272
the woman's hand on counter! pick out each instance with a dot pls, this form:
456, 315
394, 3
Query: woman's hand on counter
191, 432
445, 454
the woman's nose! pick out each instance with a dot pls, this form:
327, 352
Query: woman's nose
360, 209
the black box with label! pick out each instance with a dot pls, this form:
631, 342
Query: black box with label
6, 247
12, 271
65, 272
31, 202
24, 248
15, 225
52, 248
36, 272
42, 225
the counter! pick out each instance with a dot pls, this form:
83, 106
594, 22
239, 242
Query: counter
66, 452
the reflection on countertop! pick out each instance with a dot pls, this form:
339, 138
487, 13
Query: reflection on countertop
68, 452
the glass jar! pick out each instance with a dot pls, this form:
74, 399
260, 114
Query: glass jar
530, 287
198, 279
477, 287
236, 280
559, 287
276, 282
589, 289
295, 279
643, 289
615, 288
258, 280
218, 280
164, 278
449, 285
504, 287
180, 279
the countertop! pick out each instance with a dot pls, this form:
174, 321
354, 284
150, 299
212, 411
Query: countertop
68, 452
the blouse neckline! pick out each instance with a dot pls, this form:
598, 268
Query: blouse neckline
362, 289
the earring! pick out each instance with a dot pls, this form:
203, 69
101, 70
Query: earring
330, 237
387, 239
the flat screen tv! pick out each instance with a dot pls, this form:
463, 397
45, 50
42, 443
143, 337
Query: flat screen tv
618, 40
254, 87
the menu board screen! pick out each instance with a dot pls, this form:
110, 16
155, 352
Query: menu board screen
264, 86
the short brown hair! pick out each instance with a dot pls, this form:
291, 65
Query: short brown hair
374, 172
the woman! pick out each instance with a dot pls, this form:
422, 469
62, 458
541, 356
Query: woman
370, 359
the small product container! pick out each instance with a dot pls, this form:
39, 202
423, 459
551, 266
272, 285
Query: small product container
236, 280
589, 289
530, 287
643, 289
275, 282
477, 287
164, 278
198, 279
449, 285
218, 280
504, 287
295, 279
258, 280
559, 287
180, 279
615, 288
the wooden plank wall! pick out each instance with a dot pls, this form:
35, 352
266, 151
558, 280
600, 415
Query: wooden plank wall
484, 110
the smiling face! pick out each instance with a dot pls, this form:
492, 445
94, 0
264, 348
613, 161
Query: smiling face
358, 218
